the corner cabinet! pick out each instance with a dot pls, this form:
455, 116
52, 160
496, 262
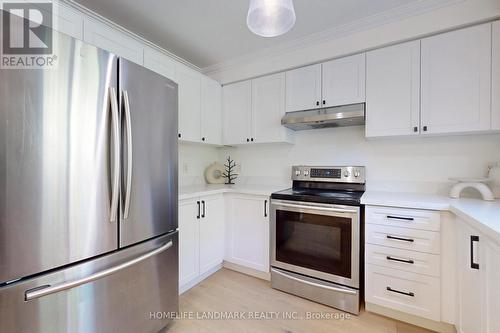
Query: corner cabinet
252, 111
456, 81
247, 230
478, 281
201, 238
393, 90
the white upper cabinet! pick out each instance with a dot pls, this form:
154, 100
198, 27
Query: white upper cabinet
393, 90
456, 81
237, 113
159, 62
112, 40
268, 107
303, 88
68, 20
495, 97
189, 82
211, 111
343, 81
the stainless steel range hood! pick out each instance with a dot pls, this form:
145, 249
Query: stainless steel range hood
340, 116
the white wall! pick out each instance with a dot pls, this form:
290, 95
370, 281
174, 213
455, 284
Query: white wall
193, 159
338, 44
403, 164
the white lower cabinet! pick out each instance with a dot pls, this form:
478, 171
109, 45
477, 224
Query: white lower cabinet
247, 241
403, 261
478, 282
201, 237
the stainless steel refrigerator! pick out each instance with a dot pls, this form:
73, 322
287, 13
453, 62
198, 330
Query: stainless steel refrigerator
88, 195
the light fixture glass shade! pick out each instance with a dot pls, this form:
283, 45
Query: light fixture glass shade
270, 18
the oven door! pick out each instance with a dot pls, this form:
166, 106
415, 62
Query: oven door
317, 240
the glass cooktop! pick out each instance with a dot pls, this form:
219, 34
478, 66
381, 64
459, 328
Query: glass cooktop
342, 197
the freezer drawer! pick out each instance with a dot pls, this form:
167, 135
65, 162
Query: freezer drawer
123, 293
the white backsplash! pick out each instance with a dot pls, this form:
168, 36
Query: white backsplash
193, 159
412, 164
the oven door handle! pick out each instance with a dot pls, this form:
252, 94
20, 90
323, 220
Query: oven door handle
314, 284
326, 209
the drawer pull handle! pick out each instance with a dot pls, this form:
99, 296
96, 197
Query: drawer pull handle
400, 292
473, 239
406, 261
392, 217
400, 239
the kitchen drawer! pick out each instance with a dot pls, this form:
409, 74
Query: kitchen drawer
402, 217
415, 294
403, 238
405, 260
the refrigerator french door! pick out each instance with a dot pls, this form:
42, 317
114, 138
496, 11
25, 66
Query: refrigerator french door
88, 199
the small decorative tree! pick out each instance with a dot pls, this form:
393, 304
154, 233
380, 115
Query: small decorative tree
229, 173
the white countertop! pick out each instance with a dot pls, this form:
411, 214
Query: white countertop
192, 191
480, 214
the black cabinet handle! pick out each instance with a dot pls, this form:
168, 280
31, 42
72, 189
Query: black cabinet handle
415, 129
317, 103
425, 128
400, 292
473, 239
400, 239
179, 135
198, 216
392, 217
406, 261
248, 140
251, 139
324, 102
265, 208
203, 203
202, 139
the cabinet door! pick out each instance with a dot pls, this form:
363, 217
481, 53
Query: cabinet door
470, 281
248, 232
159, 62
456, 81
268, 107
303, 88
211, 232
343, 81
112, 40
68, 20
495, 97
237, 112
393, 90
492, 286
189, 82
211, 111
189, 240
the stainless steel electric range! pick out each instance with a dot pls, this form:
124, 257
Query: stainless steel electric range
315, 235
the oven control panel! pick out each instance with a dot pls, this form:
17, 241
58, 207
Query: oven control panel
341, 174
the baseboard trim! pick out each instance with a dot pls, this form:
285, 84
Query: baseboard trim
411, 319
248, 271
185, 287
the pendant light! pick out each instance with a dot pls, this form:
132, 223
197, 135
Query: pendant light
270, 18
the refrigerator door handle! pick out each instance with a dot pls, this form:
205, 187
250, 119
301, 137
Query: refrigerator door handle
42, 291
128, 125
116, 152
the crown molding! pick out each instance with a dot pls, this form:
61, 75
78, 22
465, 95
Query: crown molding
369, 22
90, 13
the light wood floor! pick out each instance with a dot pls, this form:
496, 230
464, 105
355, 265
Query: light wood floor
230, 291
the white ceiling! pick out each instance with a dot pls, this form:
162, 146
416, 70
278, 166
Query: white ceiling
207, 32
